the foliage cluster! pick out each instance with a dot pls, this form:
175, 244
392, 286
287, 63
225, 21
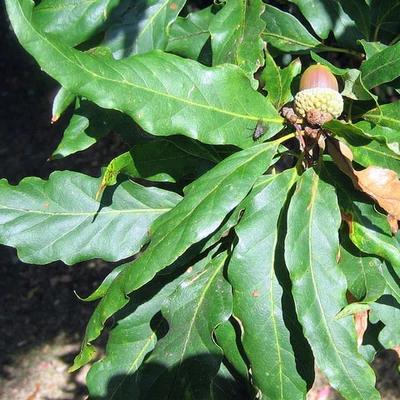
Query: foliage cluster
246, 257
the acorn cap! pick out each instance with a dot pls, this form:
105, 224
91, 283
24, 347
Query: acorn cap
318, 90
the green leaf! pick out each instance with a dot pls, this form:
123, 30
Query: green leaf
60, 219
387, 115
368, 230
214, 105
352, 309
144, 26
278, 81
360, 13
61, 102
236, 36
198, 215
285, 32
134, 335
372, 48
328, 15
387, 310
381, 67
189, 35
258, 294
226, 335
385, 20
385, 149
363, 272
74, 20
158, 160
188, 351
319, 287
87, 126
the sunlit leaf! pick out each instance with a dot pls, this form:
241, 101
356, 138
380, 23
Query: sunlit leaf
312, 246
214, 105
198, 215
258, 293
60, 219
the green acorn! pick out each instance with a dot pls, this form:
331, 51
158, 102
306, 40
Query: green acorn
318, 91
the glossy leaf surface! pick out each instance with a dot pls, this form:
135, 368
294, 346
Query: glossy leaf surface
214, 105
314, 235
63, 213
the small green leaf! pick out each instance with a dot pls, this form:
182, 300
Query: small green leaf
227, 338
363, 132
319, 287
87, 126
278, 81
61, 102
352, 309
285, 32
372, 48
60, 219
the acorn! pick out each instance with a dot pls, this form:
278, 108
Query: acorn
318, 90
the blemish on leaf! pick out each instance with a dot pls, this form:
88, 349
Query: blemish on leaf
256, 293
46, 205
173, 6
348, 218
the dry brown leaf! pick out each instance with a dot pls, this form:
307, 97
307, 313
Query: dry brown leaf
383, 186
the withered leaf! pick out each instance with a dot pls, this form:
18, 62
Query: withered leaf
383, 186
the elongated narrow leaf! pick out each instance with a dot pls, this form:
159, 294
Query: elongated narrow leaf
205, 206
135, 333
74, 20
214, 105
60, 219
188, 351
236, 36
319, 287
144, 26
258, 294
285, 32
382, 67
